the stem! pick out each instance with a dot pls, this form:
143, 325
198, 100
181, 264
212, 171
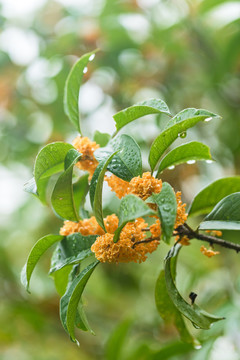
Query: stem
148, 240
185, 229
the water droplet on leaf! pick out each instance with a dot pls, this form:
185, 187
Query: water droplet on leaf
171, 167
208, 119
91, 57
191, 162
85, 70
183, 134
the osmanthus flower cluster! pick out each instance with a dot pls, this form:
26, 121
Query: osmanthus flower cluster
150, 211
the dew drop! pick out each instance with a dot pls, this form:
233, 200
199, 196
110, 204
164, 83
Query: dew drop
171, 167
198, 347
85, 70
92, 57
209, 161
191, 162
166, 208
208, 119
183, 134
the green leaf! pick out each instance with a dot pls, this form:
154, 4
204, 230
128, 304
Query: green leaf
62, 197
96, 186
167, 309
131, 208
71, 250
49, 161
36, 252
151, 106
41, 192
72, 87
80, 190
116, 340
101, 138
207, 198
61, 278
69, 301
128, 162
199, 318
167, 209
191, 151
177, 125
225, 215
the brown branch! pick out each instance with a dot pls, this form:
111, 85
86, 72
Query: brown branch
148, 240
186, 230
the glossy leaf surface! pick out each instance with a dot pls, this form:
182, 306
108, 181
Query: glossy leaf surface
176, 126
191, 151
225, 215
208, 197
151, 106
41, 246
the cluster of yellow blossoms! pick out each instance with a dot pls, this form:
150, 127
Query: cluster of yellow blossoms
86, 147
208, 252
126, 249
132, 244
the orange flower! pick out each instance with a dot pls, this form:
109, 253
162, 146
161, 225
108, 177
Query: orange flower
90, 226
119, 186
124, 250
155, 229
184, 241
181, 217
208, 252
144, 186
214, 232
87, 147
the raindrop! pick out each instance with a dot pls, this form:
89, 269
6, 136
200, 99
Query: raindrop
166, 208
85, 70
171, 167
92, 57
198, 347
209, 161
183, 134
191, 162
208, 119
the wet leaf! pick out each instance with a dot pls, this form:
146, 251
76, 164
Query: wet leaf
199, 318
70, 300
62, 197
225, 215
127, 163
131, 208
207, 198
179, 123
96, 186
72, 87
167, 209
151, 106
41, 246
49, 161
191, 151
72, 250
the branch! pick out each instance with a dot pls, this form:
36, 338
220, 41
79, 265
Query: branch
148, 240
185, 229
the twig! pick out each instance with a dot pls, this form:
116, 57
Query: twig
148, 240
186, 230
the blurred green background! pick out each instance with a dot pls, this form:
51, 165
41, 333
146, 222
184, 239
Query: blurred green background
184, 52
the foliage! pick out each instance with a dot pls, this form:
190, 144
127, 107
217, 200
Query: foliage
144, 196
185, 53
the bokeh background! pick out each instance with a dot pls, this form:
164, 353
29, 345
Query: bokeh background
184, 52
